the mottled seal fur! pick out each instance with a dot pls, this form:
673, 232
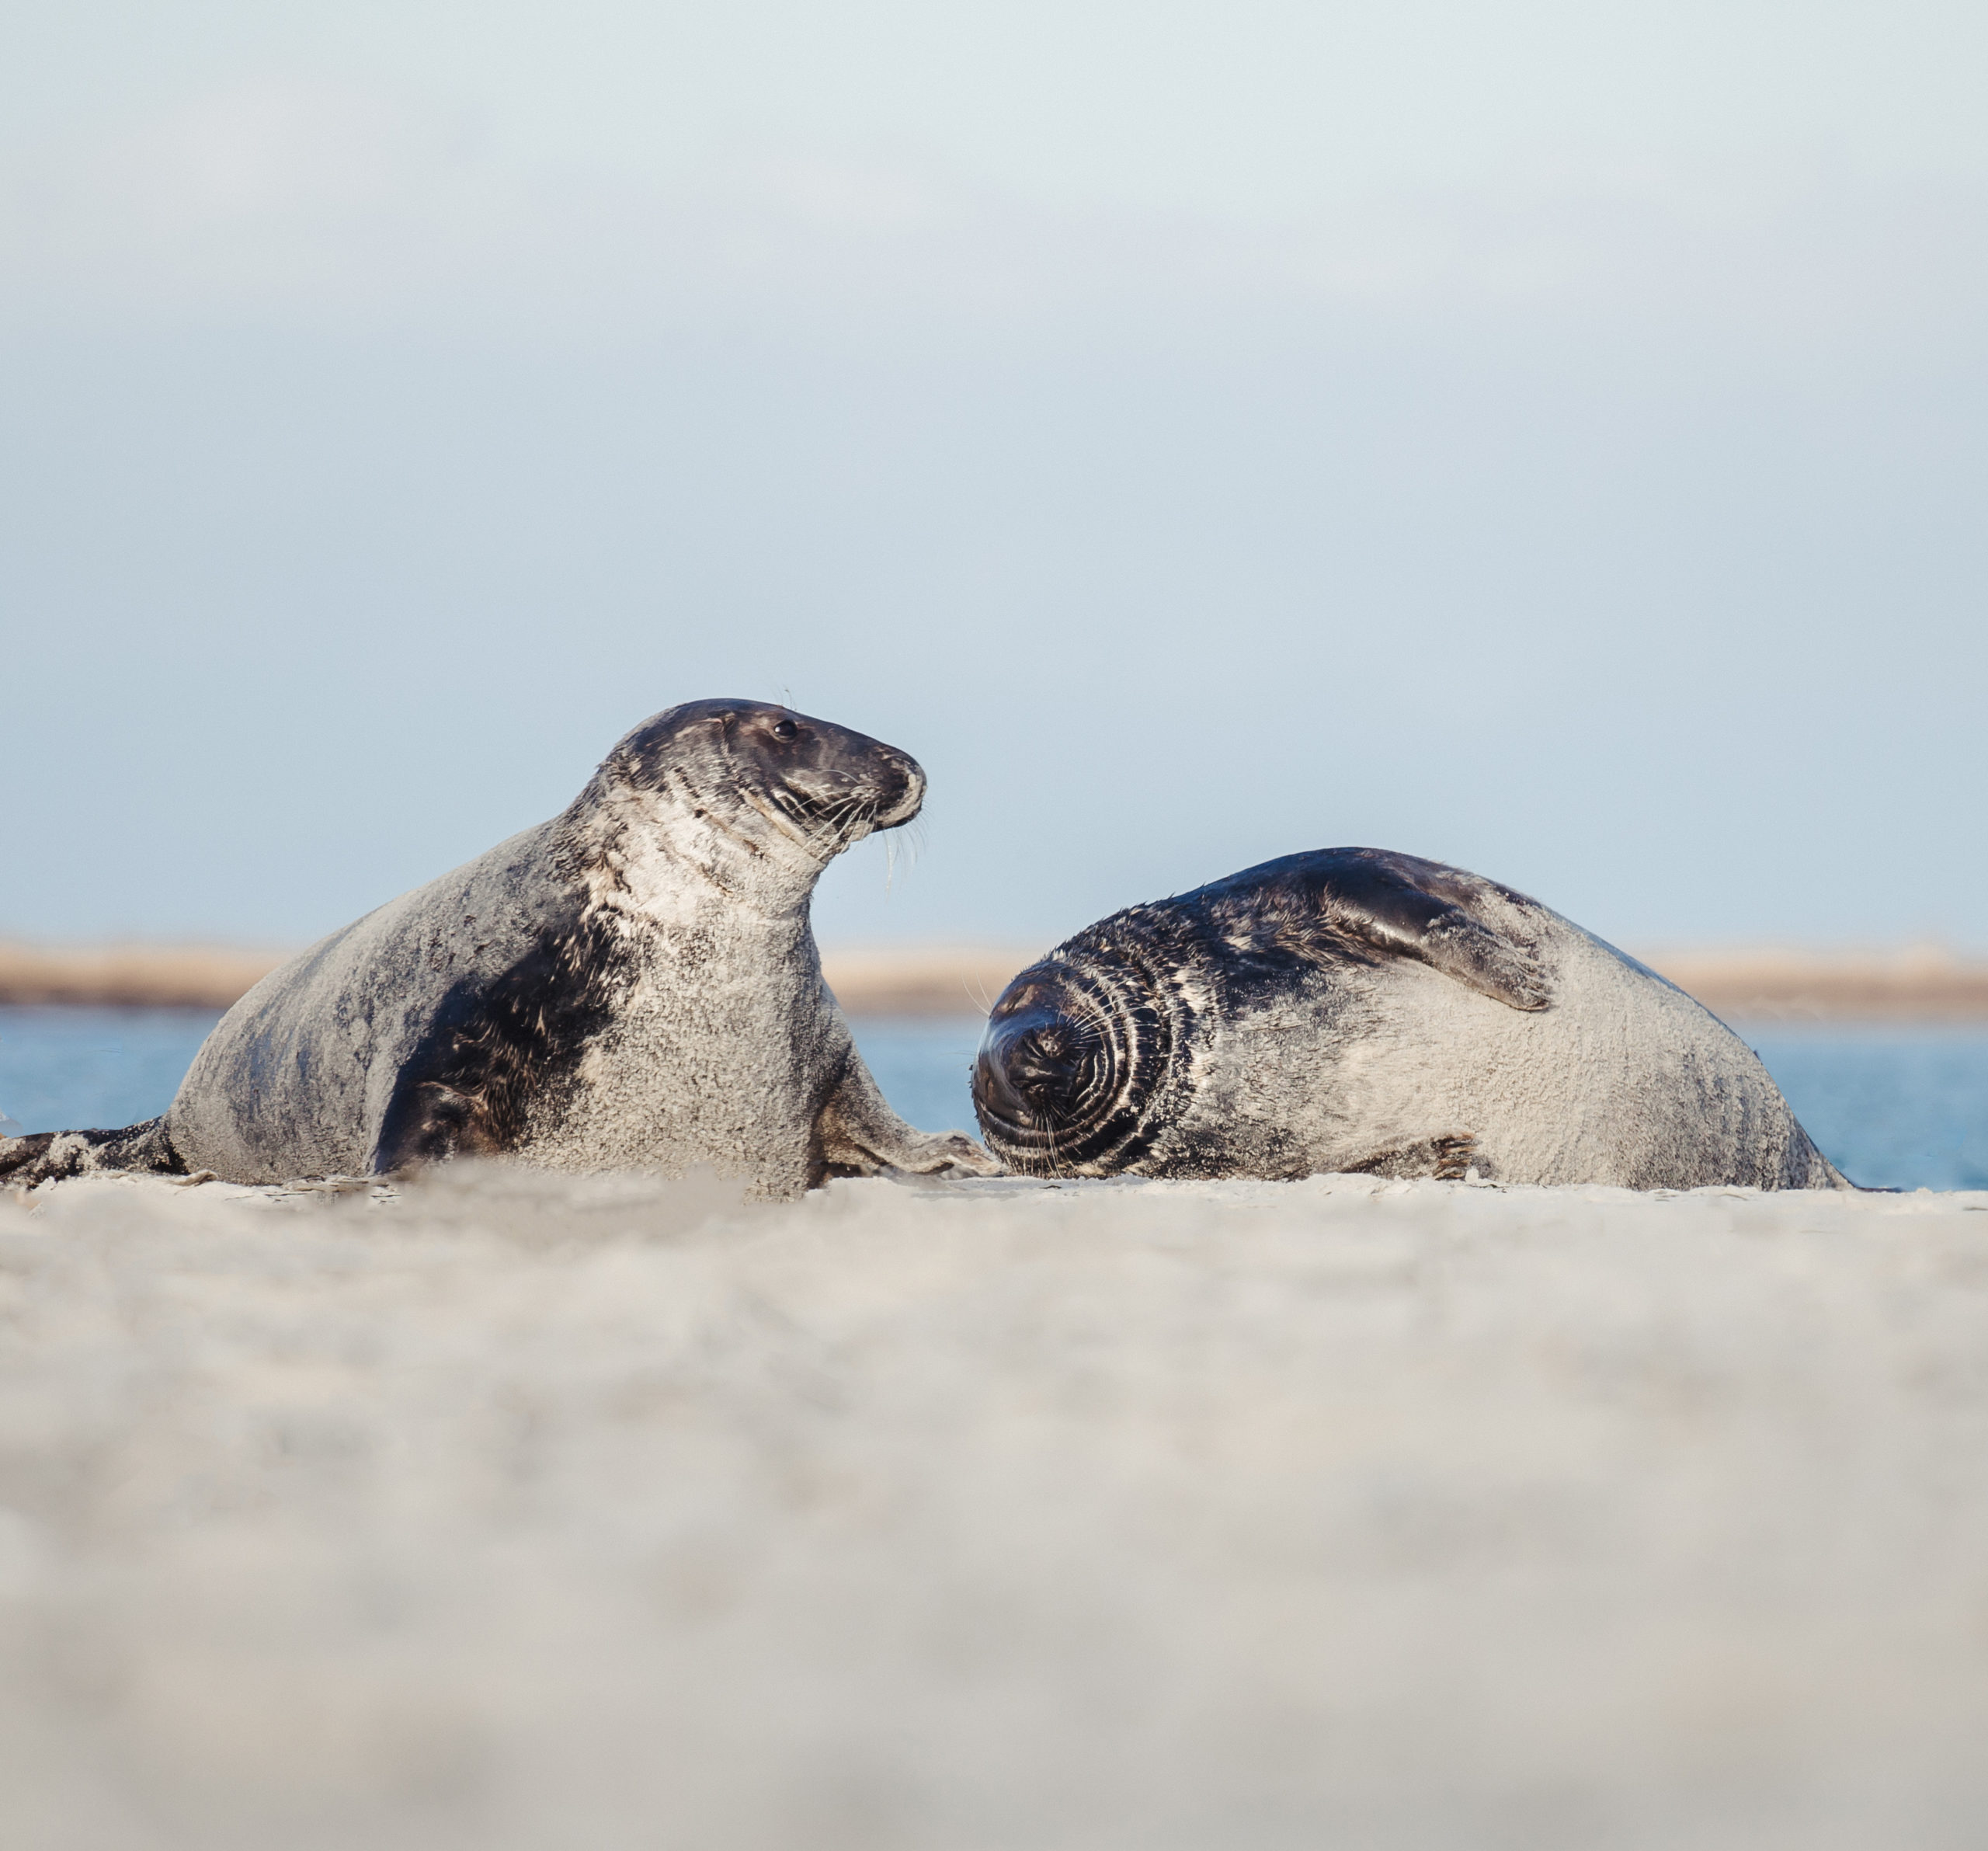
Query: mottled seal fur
1355, 1010
632, 984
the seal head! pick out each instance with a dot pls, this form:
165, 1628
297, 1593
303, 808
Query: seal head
1077, 1055
755, 798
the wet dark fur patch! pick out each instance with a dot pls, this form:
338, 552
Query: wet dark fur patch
497, 1046
1360, 904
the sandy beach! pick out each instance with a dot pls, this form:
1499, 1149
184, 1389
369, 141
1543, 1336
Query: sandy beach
509, 1511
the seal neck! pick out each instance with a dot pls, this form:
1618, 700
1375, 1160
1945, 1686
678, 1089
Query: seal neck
665, 860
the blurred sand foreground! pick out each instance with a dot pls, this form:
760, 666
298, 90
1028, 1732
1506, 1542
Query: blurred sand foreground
1919, 982
510, 1510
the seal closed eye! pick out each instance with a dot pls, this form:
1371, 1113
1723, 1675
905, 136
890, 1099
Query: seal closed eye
632, 984
1354, 1009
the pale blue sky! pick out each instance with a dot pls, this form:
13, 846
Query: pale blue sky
1548, 437
1224, 106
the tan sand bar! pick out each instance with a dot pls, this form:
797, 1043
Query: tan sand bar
1910, 983
156, 976
923, 979
1923, 983
931, 980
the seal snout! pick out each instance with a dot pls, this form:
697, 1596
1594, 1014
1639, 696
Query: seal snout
837, 785
902, 779
1028, 1066
1038, 1070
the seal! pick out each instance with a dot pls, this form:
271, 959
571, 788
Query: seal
1355, 1010
634, 984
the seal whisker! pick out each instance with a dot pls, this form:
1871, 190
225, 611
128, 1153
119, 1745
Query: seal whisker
773, 815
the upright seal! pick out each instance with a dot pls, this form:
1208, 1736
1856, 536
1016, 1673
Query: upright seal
1355, 1010
634, 984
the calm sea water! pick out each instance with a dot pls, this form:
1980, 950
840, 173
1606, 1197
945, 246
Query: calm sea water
1901, 1108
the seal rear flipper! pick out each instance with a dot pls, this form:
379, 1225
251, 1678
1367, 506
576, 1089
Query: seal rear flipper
1320, 905
50, 1156
1811, 1169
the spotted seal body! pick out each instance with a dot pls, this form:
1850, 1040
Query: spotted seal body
1355, 1009
634, 984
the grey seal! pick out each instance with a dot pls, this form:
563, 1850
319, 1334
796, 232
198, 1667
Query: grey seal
632, 984
1351, 1009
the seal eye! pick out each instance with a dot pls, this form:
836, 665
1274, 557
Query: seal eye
785, 729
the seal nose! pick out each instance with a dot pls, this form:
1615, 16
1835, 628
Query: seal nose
1031, 1067
904, 784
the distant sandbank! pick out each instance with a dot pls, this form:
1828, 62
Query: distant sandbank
1773, 983
135, 976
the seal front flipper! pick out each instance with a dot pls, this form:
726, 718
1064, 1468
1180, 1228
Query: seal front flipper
1333, 900
1449, 1158
858, 1135
430, 1122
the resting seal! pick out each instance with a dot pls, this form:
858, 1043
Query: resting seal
1353, 1010
634, 984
